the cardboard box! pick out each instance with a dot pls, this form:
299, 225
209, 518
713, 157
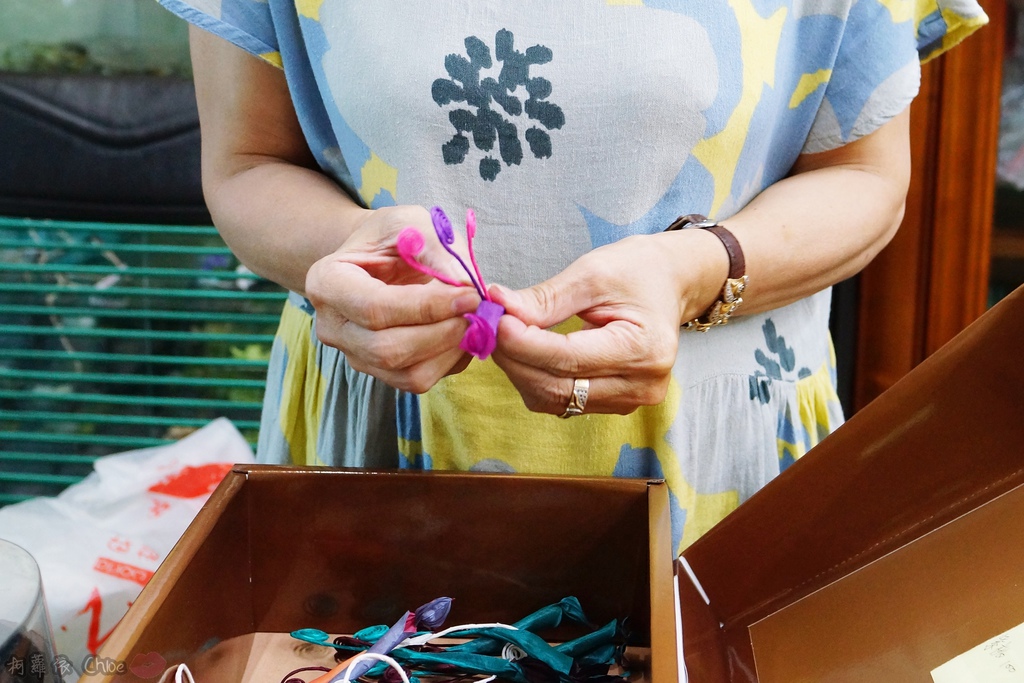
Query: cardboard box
892, 547
279, 549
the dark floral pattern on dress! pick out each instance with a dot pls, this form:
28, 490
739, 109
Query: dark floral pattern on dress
493, 105
779, 359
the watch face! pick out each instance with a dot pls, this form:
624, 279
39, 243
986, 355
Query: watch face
693, 220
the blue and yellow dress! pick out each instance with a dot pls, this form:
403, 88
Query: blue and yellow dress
566, 126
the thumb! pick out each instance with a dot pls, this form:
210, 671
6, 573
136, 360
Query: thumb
545, 304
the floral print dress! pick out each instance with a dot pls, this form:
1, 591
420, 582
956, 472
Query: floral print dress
567, 126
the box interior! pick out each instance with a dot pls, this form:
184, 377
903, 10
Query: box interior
278, 549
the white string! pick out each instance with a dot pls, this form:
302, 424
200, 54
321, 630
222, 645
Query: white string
183, 668
512, 652
427, 637
372, 655
684, 676
694, 580
178, 670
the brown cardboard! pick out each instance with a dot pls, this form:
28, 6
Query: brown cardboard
278, 549
892, 547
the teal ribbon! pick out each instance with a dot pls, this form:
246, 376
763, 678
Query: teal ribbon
597, 647
533, 645
370, 634
589, 642
543, 619
478, 656
466, 663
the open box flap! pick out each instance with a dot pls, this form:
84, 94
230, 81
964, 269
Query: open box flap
942, 441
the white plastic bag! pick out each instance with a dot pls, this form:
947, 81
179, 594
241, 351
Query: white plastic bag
99, 542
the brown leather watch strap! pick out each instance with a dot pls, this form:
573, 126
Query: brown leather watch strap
737, 263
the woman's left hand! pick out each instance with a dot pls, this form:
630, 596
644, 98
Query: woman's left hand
820, 225
632, 296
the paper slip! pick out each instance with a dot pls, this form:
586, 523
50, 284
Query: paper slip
998, 660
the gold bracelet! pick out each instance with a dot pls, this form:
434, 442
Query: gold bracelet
735, 283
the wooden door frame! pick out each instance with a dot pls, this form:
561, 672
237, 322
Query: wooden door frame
932, 279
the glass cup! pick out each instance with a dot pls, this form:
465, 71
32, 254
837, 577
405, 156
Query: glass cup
27, 654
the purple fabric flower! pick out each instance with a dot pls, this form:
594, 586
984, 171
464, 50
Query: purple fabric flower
442, 225
445, 233
430, 616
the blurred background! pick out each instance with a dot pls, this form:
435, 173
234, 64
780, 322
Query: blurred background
102, 37
125, 322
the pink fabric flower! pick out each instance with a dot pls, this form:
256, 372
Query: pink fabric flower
409, 244
482, 335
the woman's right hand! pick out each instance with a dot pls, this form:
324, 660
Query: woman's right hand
390, 320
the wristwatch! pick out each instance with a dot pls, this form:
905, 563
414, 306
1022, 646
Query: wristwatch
735, 283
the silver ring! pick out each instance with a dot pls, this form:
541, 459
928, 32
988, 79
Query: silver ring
578, 398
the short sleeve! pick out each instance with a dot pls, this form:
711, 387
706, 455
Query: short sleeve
941, 24
245, 23
876, 72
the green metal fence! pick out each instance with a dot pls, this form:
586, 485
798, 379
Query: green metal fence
115, 337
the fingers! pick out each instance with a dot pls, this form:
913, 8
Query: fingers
543, 392
550, 302
629, 342
419, 378
461, 364
627, 357
347, 292
603, 351
390, 319
405, 335
410, 358
625, 368
373, 246
397, 348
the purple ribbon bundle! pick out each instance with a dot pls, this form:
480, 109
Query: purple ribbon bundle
482, 335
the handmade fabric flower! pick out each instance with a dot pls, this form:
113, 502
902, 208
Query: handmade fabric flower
402, 629
482, 335
431, 616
